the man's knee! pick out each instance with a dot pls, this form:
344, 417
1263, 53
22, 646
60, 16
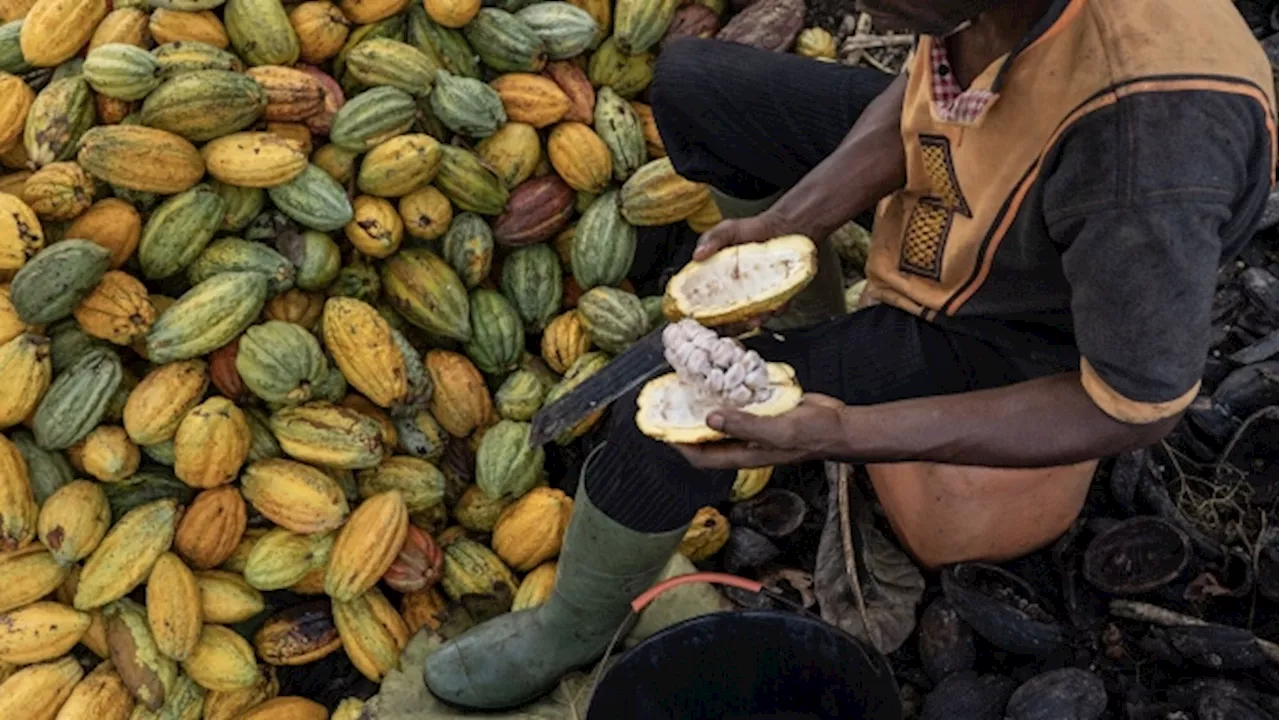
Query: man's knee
681, 77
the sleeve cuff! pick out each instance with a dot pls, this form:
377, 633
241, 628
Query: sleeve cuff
1133, 412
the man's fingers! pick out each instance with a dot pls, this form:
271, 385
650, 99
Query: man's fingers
744, 426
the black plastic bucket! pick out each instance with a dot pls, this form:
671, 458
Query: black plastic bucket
748, 664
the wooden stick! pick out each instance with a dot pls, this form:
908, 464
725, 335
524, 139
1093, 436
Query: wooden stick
846, 542
1156, 615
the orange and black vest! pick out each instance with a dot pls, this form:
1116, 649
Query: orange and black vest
1127, 151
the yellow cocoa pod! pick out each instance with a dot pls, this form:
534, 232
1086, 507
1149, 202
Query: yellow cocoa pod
536, 587
221, 661
530, 531
16, 157
531, 99
58, 191
12, 183
168, 26
749, 482
118, 310
101, 695
705, 217
461, 401
173, 607
55, 30
226, 597
27, 370
649, 126
74, 520
426, 213
475, 510
564, 341
296, 306
108, 455
367, 545
295, 132
38, 691
287, 708
40, 631
657, 195
292, 94
423, 608
126, 555
240, 556
452, 13
11, 326
27, 575
322, 30
348, 709
365, 12
112, 223
11, 10
21, 235
141, 158
162, 399
398, 166
708, 532
280, 558
13, 114
148, 673
126, 25
211, 528
365, 350
18, 510
375, 228
294, 496
372, 632
211, 444
338, 163
253, 159
816, 43
329, 436
580, 157
233, 705
513, 152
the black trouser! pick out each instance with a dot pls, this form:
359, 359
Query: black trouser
750, 123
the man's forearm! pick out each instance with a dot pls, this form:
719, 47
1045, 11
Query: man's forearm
1039, 423
868, 165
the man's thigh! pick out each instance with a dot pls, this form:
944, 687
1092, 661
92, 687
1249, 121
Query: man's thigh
752, 122
882, 354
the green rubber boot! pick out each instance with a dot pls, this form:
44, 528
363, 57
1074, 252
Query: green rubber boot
823, 299
514, 658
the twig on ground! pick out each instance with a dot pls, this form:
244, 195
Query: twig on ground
846, 542
1156, 615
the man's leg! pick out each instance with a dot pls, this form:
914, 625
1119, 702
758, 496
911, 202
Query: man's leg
638, 496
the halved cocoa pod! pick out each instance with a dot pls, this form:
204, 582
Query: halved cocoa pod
945, 641
1002, 608
1136, 556
1066, 694
970, 696
774, 512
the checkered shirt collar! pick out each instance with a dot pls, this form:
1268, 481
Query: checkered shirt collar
952, 103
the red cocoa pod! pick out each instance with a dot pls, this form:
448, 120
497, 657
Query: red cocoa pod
419, 565
695, 20
537, 209
767, 24
573, 81
223, 373
334, 99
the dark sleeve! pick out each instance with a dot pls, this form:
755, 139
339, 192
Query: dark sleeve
1146, 200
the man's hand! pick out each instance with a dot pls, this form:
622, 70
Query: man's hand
727, 233
811, 431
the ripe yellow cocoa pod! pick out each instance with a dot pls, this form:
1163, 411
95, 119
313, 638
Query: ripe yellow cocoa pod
55, 30
292, 94
173, 607
26, 367
749, 482
564, 341
280, 558
367, 545
112, 223
27, 575
126, 555
452, 13
532, 99
162, 399
399, 166
254, 159
18, 510
372, 632
39, 690
74, 520
513, 153
204, 26
708, 532
13, 114
126, 25
21, 235
294, 496
461, 402
109, 455
211, 528
226, 597
580, 157
531, 530
40, 631
11, 10
338, 163
322, 30
426, 213
536, 587
11, 325
287, 708
221, 661
211, 444
375, 228
364, 12
118, 310
365, 350
101, 695
58, 191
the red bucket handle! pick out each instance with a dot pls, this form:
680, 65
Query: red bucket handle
648, 596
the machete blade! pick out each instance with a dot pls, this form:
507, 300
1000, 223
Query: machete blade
635, 365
